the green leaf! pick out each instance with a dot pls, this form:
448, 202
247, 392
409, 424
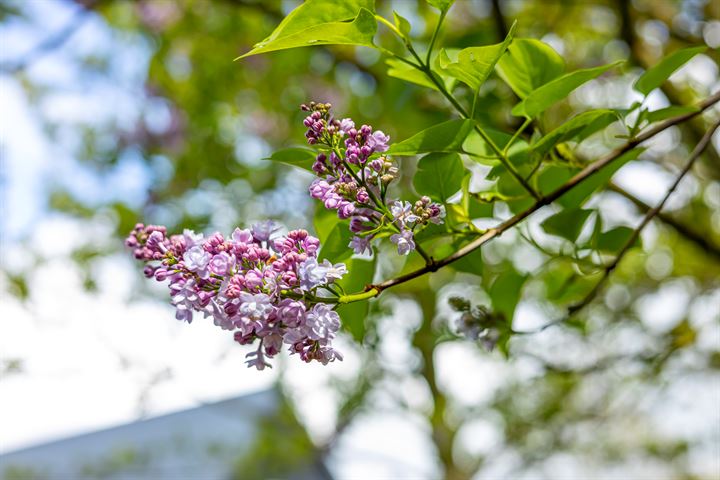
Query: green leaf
335, 248
615, 239
354, 315
505, 292
324, 221
442, 5
655, 76
403, 71
581, 126
580, 193
474, 64
439, 175
402, 24
567, 223
444, 137
668, 112
360, 31
552, 92
470, 263
529, 64
295, 156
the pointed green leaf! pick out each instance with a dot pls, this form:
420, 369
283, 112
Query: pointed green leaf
552, 92
360, 31
403, 71
473, 65
442, 5
402, 24
506, 291
444, 137
567, 223
655, 76
335, 248
528, 64
578, 195
581, 126
615, 239
295, 156
354, 315
439, 175
668, 112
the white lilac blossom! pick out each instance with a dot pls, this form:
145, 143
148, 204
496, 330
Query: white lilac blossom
353, 176
253, 283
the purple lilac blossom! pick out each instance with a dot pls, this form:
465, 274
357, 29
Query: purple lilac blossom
353, 175
254, 283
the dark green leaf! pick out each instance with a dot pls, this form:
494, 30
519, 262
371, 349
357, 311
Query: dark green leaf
529, 64
354, 315
567, 223
613, 240
439, 175
668, 112
505, 292
552, 92
295, 156
578, 195
444, 137
358, 32
335, 248
473, 65
470, 263
581, 126
655, 76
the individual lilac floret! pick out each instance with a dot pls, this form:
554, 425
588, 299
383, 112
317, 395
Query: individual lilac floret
404, 241
253, 283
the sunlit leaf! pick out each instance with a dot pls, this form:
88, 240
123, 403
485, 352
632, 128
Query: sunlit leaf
439, 175
655, 76
295, 156
444, 137
473, 65
552, 92
402, 24
403, 71
580, 126
528, 64
442, 5
359, 31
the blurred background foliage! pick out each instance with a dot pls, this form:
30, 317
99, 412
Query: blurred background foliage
592, 396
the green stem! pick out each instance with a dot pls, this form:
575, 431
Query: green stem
517, 134
503, 158
434, 36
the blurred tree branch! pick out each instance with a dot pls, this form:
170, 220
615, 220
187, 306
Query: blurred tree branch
53, 41
698, 239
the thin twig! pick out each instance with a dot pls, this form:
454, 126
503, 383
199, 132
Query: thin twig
684, 230
704, 141
588, 171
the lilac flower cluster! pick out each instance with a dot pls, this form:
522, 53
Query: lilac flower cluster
353, 179
256, 283
477, 322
